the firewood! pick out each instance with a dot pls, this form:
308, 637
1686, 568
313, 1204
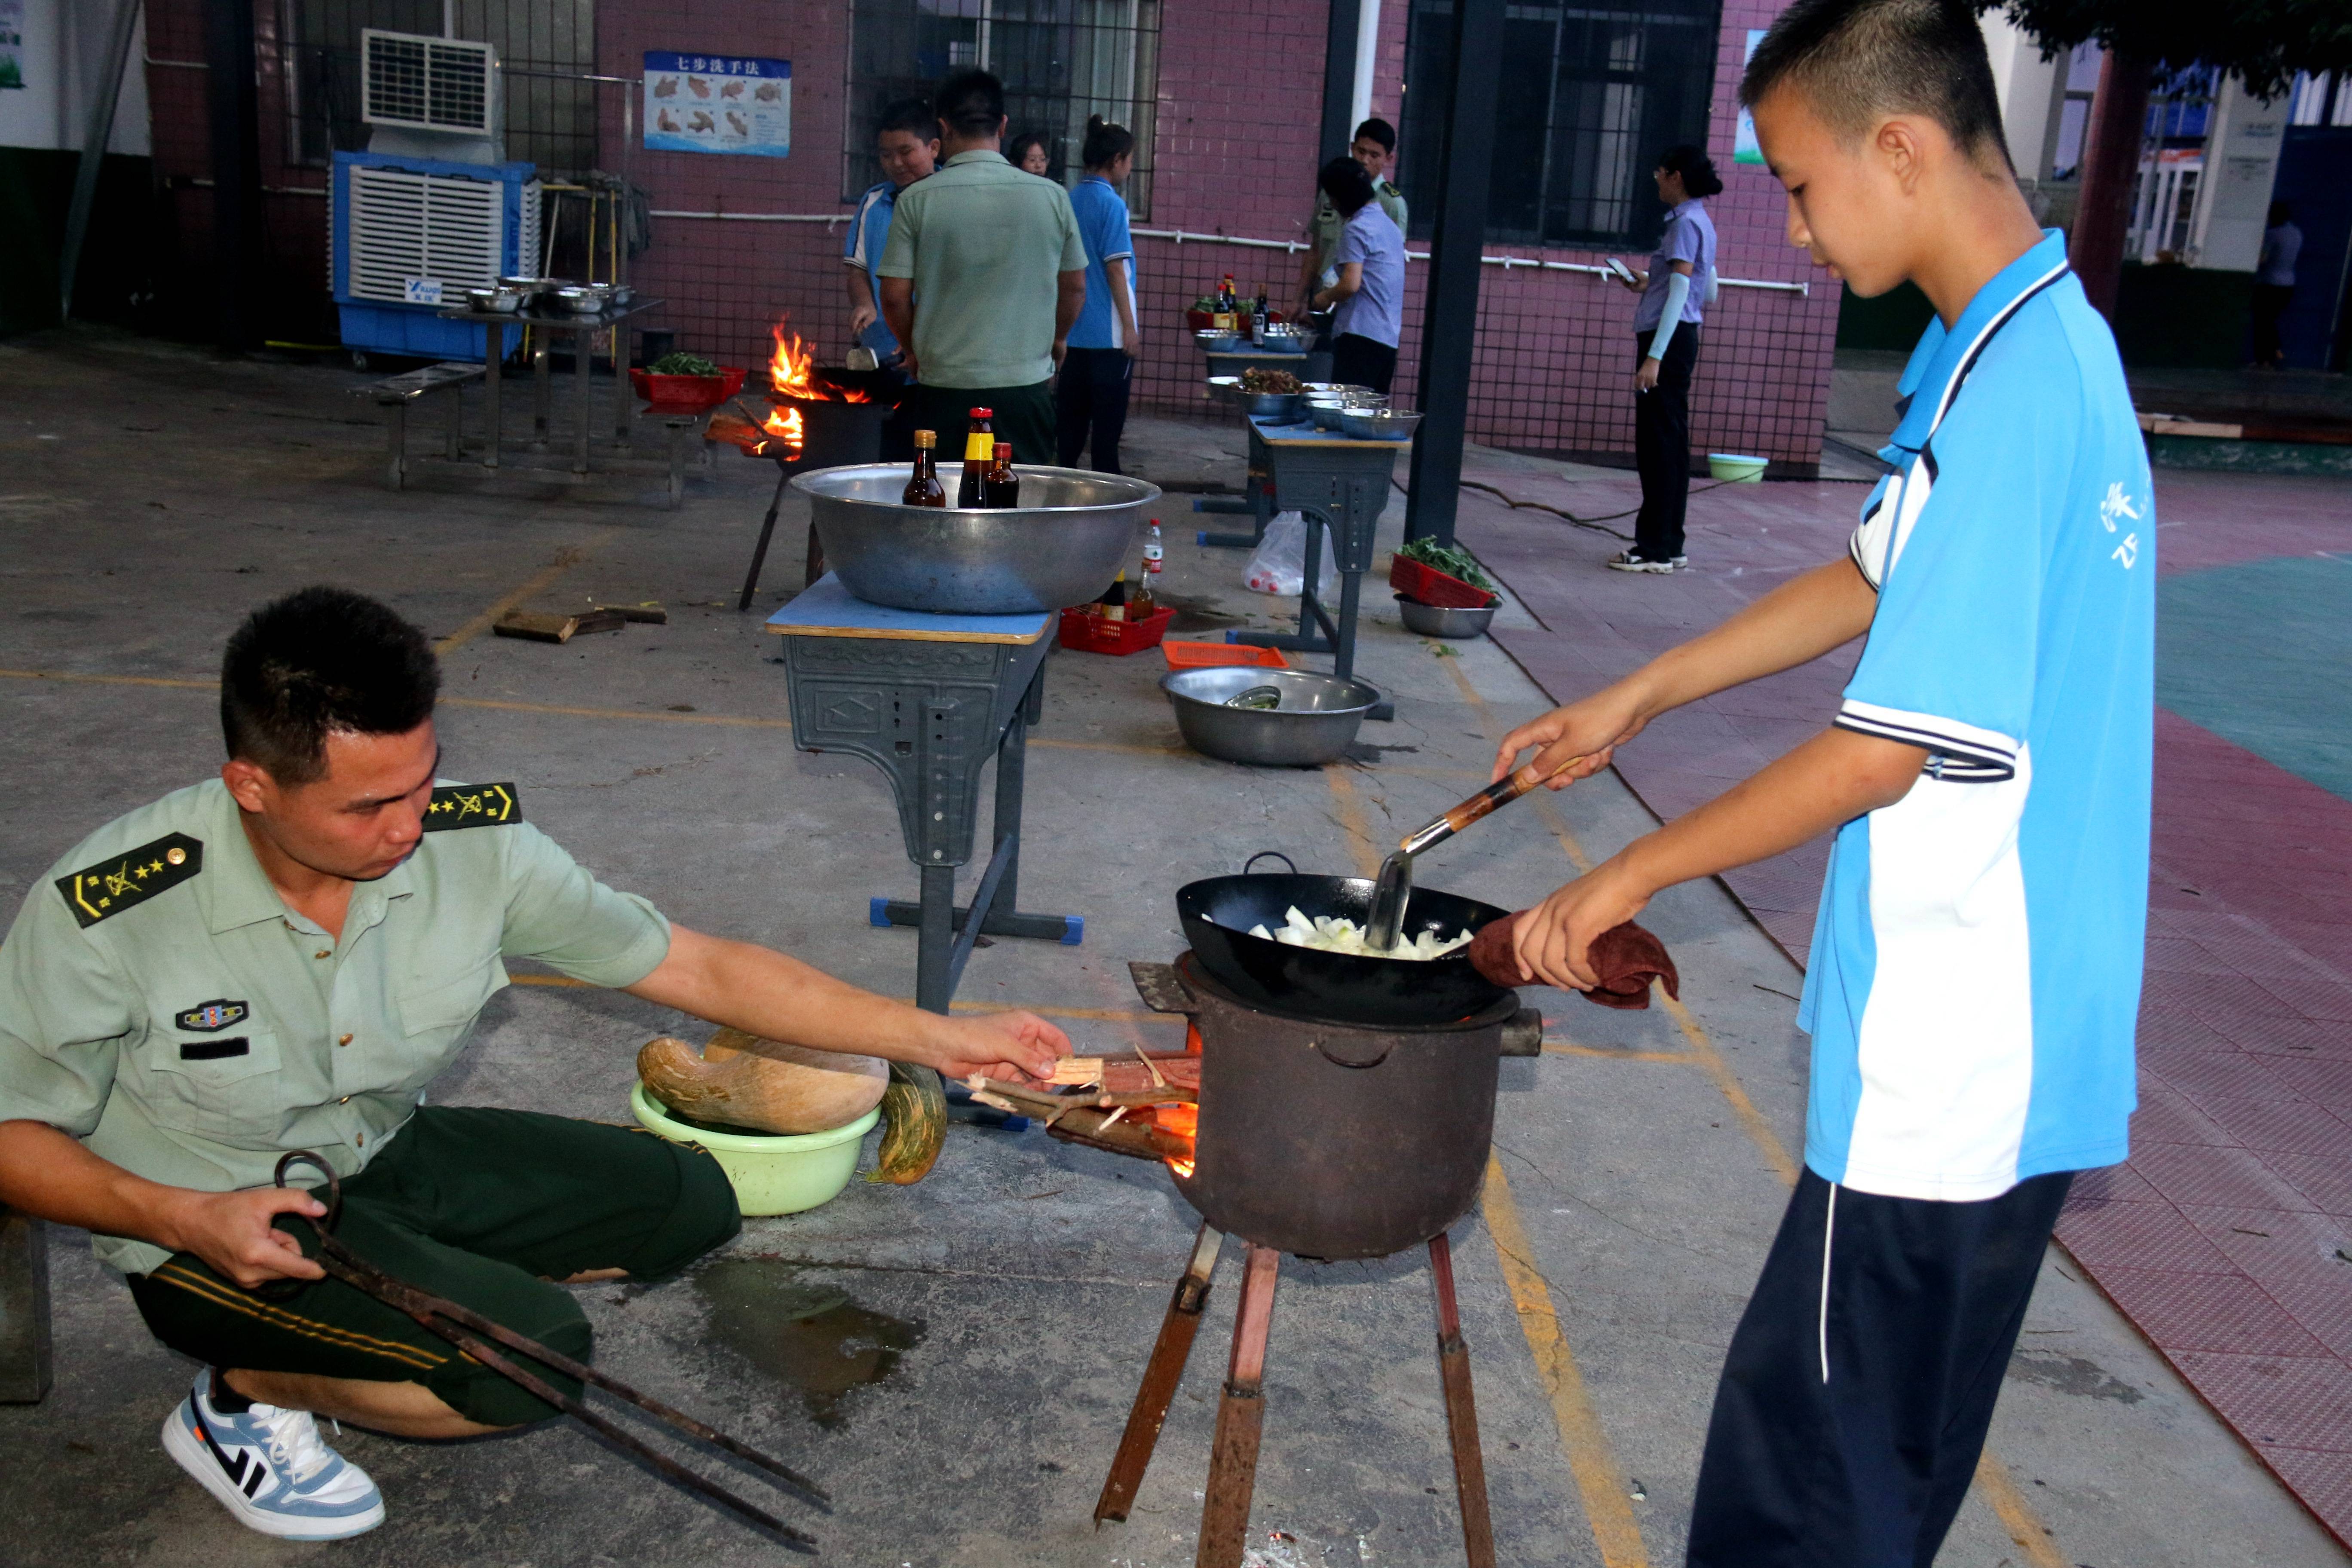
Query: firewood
1129, 1074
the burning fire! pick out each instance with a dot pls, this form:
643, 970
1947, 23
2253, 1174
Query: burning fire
791, 372
1184, 1121
784, 423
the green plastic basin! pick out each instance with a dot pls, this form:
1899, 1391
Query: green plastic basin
772, 1173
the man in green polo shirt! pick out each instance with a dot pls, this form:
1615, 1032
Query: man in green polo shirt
995, 257
283, 958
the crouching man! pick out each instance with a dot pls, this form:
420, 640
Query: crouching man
283, 958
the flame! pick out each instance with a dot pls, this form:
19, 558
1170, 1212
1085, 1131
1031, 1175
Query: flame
1184, 1121
784, 423
791, 372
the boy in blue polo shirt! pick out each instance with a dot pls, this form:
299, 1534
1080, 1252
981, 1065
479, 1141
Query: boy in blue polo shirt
906, 144
1975, 973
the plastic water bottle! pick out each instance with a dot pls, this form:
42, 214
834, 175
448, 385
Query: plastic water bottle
1154, 557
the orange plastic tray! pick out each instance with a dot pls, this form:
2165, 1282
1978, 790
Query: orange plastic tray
1204, 655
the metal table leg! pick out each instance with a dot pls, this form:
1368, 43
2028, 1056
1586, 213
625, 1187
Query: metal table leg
583, 356
494, 344
25, 1370
624, 415
542, 396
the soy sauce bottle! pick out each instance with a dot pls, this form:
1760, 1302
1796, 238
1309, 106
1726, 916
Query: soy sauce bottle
979, 456
1002, 487
924, 489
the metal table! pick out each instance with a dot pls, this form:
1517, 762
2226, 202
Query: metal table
580, 328
1340, 484
929, 699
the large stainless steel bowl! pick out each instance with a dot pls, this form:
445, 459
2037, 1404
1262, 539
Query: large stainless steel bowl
1061, 546
1316, 721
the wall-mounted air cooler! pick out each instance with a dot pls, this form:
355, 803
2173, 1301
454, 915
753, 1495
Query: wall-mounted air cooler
431, 96
411, 235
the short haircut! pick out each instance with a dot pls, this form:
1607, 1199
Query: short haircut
1345, 182
1018, 148
1858, 61
1105, 143
971, 102
318, 661
1380, 131
911, 115
1697, 170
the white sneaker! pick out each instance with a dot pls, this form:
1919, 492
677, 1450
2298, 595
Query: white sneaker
269, 1468
1634, 561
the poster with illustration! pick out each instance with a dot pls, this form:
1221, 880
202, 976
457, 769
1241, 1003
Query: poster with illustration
12, 42
718, 103
1744, 147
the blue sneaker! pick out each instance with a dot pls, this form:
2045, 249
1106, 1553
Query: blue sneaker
269, 1467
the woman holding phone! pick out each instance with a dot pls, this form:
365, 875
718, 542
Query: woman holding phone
1674, 292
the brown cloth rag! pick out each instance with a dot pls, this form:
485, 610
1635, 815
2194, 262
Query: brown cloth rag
1626, 957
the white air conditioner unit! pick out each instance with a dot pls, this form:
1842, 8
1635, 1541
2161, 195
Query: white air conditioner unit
431, 96
406, 226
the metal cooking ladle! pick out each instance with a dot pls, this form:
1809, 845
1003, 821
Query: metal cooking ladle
1393, 891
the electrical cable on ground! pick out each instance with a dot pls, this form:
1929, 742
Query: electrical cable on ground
1595, 523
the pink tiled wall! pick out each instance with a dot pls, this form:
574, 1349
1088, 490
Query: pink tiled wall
1240, 93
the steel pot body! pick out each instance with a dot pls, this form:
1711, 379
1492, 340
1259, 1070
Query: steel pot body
1335, 1142
1316, 724
1444, 620
1061, 546
1218, 912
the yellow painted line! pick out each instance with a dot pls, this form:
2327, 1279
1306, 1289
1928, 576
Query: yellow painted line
1599, 1481
109, 680
1351, 809
2016, 1515
1682, 1058
732, 720
568, 557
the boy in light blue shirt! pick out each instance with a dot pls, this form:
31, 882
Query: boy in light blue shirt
1975, 973
907, 142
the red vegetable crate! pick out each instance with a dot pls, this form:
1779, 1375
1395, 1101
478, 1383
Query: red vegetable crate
1099, 634
1428, 586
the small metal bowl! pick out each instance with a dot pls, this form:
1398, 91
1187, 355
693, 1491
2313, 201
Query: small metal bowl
580, 301
1315, 723
1217, 342
1283, 339
498, 301
1324, 411
1287, 406
1444, 620
1377, 424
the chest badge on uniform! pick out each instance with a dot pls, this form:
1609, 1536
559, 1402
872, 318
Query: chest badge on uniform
472, 805
112, 885
210, 1018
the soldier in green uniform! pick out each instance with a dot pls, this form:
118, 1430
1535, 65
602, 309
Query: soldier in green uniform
284, 958
1375, 148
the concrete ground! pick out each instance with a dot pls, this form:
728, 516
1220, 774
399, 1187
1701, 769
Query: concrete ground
955, 1360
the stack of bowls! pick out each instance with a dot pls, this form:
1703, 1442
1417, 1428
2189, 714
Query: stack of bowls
1217, 340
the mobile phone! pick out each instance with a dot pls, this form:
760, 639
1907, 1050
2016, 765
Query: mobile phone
1624, 273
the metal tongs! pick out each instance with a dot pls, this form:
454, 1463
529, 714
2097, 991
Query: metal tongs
1393, 891
452, 1322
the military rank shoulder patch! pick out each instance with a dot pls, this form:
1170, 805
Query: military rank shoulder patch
113, 885
472, 805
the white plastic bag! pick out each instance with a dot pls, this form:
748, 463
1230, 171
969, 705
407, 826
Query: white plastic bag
1279, 565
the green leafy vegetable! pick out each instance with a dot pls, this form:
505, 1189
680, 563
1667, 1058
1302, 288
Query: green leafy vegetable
1449, 559
682, 364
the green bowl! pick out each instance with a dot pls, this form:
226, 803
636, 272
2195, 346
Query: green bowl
1736, 468
773, 1172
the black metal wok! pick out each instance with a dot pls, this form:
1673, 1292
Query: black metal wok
1218, 912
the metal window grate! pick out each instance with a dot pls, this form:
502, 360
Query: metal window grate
1588, 100
431, 84
1061, 61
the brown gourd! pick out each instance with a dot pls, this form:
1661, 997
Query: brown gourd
914, 1126
767, 1086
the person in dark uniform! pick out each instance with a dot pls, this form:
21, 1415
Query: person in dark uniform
283, 958
1675, 290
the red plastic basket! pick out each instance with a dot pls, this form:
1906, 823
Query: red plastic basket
686, 393
1430, 587
1098, 634
1208, 655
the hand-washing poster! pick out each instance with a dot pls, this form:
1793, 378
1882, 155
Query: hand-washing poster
716, 103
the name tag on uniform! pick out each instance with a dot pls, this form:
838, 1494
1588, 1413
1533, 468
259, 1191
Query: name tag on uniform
213, 1050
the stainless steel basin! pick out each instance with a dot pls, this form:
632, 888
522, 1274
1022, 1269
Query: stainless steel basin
1061, 546
1316, 722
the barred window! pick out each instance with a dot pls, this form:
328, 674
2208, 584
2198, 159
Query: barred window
1587, 101
544, 47
1061, 60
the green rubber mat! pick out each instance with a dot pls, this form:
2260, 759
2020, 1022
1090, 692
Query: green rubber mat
2260, 655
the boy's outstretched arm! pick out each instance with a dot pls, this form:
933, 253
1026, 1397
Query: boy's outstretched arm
1801, 620
1831, 779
